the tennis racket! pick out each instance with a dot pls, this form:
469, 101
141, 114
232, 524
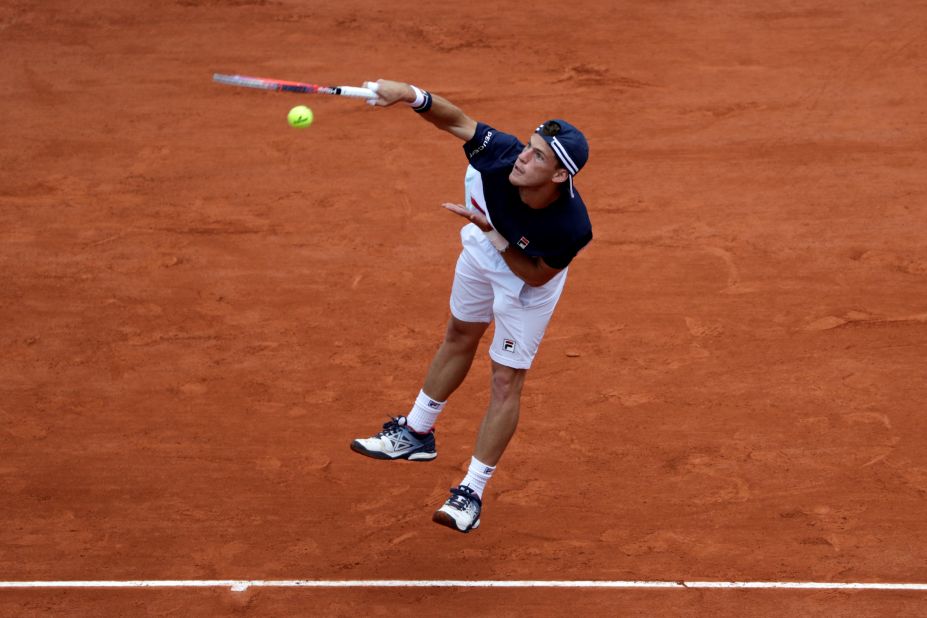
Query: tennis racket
263, 83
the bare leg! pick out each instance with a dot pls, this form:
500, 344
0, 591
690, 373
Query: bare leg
453, 359
501, 417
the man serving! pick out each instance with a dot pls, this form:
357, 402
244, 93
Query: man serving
526, 224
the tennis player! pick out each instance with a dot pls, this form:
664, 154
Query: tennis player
526, 222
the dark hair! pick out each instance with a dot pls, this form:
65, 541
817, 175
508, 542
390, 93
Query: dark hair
550, 129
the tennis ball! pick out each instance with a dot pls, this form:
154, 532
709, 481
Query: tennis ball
300, 117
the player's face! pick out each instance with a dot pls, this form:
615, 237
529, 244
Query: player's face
536, 165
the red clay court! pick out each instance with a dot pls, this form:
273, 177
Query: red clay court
200, 307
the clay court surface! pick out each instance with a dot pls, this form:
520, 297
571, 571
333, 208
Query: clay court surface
201, 307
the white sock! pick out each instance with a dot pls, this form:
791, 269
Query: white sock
478, 474
424, 413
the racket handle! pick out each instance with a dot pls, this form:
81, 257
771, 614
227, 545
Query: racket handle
360, 93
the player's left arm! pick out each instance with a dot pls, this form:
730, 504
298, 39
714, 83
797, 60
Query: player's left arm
532, 270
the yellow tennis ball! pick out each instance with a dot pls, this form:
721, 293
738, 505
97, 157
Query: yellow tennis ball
300, 117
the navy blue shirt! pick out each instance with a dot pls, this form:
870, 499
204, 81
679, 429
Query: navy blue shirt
555, 233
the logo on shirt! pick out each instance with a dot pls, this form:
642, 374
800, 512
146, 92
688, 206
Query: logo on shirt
523, 242
482, 146
508, 345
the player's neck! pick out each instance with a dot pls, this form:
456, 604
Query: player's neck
539, 197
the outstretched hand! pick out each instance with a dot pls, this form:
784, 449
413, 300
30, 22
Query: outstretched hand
475, 217
389, 92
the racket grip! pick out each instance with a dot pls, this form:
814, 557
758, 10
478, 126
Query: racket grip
360, 93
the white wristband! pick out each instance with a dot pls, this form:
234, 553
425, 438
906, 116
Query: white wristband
498, 240
419, 96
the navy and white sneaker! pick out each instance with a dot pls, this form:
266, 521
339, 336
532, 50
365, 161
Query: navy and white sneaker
398, 441
461, 511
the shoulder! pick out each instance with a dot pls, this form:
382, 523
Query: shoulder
575, 228
489, 144
577, 215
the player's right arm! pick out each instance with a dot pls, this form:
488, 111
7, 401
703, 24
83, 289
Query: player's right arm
443, 114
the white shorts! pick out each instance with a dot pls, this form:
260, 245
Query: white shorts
485, 289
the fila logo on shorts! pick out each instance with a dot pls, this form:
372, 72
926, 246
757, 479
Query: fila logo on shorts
508, 345
523, 242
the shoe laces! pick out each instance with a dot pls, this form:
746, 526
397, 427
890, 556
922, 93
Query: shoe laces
392, 426
461, 497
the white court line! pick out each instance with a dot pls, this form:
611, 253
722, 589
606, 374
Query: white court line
244, 584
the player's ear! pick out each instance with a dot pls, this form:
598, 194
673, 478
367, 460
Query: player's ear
560, 175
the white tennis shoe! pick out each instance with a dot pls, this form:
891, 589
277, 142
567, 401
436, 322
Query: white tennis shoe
397, 441
461, 512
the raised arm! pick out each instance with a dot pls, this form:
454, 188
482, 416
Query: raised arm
443, 114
